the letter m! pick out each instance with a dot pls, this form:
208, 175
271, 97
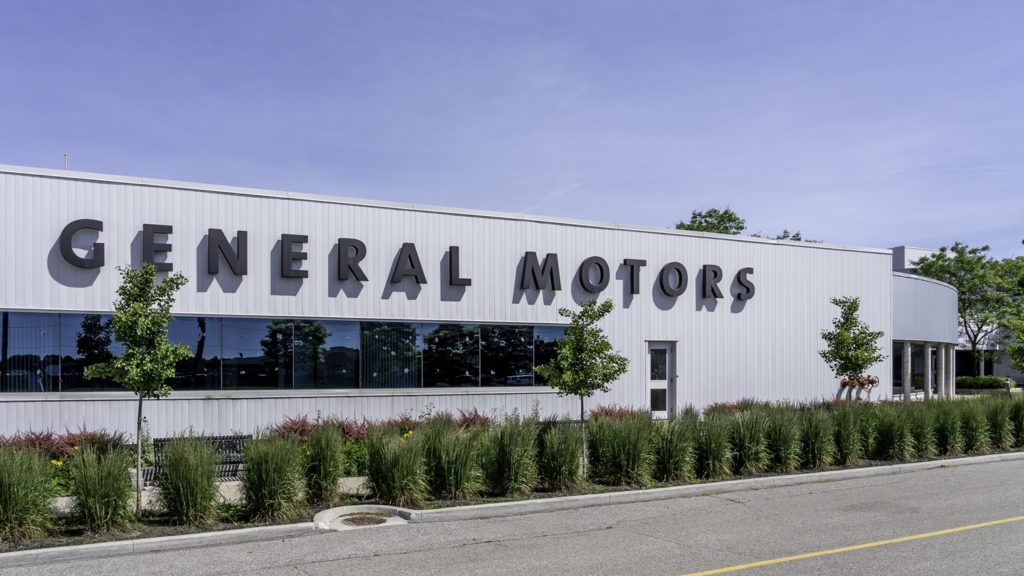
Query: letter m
537, 276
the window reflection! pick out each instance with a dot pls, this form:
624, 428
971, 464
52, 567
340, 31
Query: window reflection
257, 353
545, 342
451, 355
29, 352
85, 340
391, 355
506, 356
202, 335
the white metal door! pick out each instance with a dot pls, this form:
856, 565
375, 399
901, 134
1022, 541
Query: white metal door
661, 378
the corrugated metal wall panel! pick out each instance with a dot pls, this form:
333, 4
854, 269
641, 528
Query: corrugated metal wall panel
923, 310
765, 348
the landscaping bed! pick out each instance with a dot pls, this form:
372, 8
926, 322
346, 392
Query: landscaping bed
440, 461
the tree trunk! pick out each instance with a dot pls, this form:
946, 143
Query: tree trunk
138, 460
581, 410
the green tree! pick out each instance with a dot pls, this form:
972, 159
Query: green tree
983, 296
585, 361
93, 341
724, 221
851, 347
1013, 276
142, 313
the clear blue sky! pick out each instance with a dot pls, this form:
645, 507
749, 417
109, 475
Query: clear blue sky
870, 123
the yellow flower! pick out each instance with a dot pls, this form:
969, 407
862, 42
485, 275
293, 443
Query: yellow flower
77, 448
57, 463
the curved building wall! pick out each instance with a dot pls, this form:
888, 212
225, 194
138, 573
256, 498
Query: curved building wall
765, 347
923, 310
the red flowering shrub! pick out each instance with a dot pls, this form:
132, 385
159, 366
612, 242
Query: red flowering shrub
613, 412
722, 408
350, 430
294, 428
473, 419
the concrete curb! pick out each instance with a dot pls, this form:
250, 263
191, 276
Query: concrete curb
504, 509
158, 544
480, 511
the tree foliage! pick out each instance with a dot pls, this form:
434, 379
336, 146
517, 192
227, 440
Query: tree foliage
727, 221
724, 221
984, 294
851, 346
585, 361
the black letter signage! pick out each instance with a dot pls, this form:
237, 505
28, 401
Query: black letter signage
746, 291
290, 253
603, 274
712, 276
349, 262
150, 246
408, 264
217, 245
634, 266
454, 276
538, 277
68, 252
665, 279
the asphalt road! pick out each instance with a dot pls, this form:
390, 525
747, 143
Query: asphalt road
672, 537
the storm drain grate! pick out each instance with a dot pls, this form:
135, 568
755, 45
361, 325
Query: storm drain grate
363, 520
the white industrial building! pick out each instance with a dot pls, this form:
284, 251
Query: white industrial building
299, 304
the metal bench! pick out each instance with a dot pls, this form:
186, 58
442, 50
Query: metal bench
231, 450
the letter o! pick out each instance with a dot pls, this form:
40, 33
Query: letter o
604, 275
665, 279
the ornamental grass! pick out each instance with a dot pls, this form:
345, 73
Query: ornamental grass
949, 438
622, 449
749, 442
922, 428
25, 491
1000, 425
782, 439
560, 464
101, 487
894, 439
675, 449
714, 449
187, 480
395, 470
508, 456
325, 464
818, 447
451, 460
272, 485
974, 427
848, 424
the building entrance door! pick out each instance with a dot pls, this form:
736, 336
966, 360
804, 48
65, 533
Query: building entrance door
661, 378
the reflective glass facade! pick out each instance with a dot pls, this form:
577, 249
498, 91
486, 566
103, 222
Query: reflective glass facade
48, 352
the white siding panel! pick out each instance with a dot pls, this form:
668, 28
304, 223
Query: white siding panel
765, 348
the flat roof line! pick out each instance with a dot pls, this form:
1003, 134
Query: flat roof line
264, 193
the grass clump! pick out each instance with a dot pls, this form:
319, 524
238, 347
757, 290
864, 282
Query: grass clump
749, 442
395, 468
894, 439
451, 459
782, 436
622, 449
817, 445
1000, 424
509, 456
25, 492
974, 427
325, 464
101, 487
922, 428
561, 457
187, 480
675, 449
949, 438
1017, 419
272, 483
714, 449
847, 425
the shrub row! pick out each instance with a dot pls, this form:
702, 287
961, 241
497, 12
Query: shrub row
626, 447
984, 382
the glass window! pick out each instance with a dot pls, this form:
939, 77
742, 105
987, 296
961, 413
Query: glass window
257, 353
202, 370
659, 400
29, 352
86, 339
326, 354
659, 364
506, 355
390, 354
451, 355
545, 342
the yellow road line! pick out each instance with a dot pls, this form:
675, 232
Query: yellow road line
829, 552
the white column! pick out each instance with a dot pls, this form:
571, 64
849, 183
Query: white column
908, 372
941, 362
951, 370
927, 371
